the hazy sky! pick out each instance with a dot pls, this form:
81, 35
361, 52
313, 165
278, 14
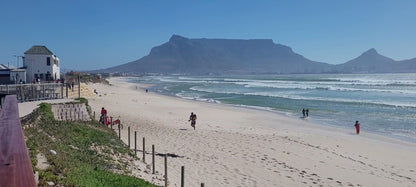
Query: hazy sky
91, 34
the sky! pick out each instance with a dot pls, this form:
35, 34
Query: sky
92, 34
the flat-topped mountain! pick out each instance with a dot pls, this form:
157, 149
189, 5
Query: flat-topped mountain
256, 56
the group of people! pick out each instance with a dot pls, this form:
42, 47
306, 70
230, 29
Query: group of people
105, 119
305, 113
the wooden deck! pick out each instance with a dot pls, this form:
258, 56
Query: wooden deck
15, 166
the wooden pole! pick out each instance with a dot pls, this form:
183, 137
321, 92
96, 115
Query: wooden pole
33, 92
62, 91
166, 170
66, 91
183, 176
79, 86
135, 143
94, 115
144, 149
153, 158
202, 184
111, 118
128, 130
119, 132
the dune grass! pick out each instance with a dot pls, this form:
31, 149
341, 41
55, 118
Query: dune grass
83, 152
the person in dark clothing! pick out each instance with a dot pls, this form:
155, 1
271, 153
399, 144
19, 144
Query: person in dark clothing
357, 127
307, 112
303, 112
192, 119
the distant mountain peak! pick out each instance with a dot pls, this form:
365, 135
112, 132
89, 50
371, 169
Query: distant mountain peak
176, 37
371, 51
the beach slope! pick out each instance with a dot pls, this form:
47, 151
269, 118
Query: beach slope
235, 146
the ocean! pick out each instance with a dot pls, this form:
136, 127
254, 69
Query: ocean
383, 103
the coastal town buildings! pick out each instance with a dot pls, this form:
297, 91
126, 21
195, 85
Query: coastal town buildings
12, 75
41, 64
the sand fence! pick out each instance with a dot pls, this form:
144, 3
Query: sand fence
118, 126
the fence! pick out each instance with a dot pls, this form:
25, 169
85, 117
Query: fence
33, 92
15, 166
165, 155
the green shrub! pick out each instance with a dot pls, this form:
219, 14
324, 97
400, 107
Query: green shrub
82, 149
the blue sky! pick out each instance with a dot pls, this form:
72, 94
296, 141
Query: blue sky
92, 34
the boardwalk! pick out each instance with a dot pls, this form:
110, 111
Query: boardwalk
15, 166
33, 92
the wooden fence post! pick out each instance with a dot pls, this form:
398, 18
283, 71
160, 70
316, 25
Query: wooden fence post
183, 176
166, 170
128, 130
94, 115
153, 158
144, 150
202, 184
62, 91
79, 86
135, 143
119, 133
111, 118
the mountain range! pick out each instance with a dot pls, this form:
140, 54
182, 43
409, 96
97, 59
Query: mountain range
182, 55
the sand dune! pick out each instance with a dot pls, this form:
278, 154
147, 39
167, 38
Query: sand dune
235, 146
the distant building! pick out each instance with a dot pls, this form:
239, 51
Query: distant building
41, 63
11, 75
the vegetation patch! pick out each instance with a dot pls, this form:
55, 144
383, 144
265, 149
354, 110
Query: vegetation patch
88, 78
79, 153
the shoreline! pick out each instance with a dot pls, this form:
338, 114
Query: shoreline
378, 135
236, 146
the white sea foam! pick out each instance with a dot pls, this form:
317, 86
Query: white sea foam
296, 96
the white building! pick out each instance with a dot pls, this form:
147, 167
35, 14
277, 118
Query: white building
41, 63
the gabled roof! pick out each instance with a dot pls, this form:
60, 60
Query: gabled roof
39, 50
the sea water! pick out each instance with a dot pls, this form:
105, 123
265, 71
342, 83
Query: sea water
383, 103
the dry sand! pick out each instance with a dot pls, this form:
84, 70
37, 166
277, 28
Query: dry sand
234, 146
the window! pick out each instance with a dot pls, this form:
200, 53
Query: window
48, 61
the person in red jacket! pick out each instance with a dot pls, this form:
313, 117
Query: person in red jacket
103, 117
357, 127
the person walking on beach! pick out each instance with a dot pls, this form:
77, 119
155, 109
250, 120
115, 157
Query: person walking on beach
357, 127
192, 119
303, 112
307, 112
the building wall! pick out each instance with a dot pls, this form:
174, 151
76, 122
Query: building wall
21, 75
37, 64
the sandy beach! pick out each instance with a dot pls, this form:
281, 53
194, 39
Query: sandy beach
235, 146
